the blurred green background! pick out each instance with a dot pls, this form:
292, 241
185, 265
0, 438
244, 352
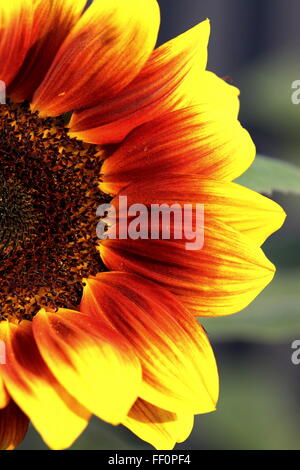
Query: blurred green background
257, 43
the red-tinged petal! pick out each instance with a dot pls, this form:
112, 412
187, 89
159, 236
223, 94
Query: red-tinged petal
103, 53
91, 360
52, 21
179, 369
15, 39
195, 140
164, 83
241, 208
55, 414
159, 427
220, 279
13, 426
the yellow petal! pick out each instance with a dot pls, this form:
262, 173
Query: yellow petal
16, 19
220, 279
52, 21
54, 413
4, 397
161, 428
204, 87
91, 360
162, 85
194, 140
102, 54
246, 211
179, 369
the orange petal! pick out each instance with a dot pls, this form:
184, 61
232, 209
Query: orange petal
241, 208
54, 413
91, 360
16, 25
220, 279
195, 140
163, 84
179, 369
52, 21
159, 427
13, 426
102, 54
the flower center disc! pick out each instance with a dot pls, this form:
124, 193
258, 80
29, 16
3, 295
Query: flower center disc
49, 195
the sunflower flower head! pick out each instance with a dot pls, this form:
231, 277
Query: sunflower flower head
48, 194
95, 112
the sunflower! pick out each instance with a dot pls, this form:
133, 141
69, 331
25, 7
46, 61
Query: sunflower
109, 329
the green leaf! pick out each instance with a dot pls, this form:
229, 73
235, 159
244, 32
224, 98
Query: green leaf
274, 316
267, 175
